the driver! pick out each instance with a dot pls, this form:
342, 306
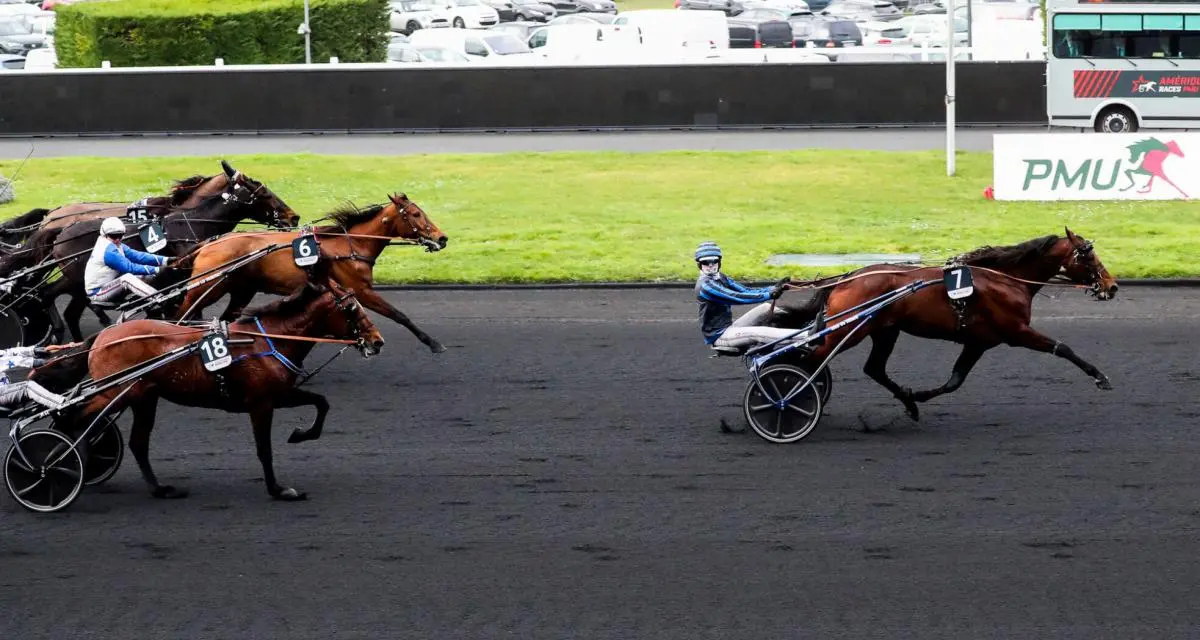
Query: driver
14, 394
717, 292
113, 269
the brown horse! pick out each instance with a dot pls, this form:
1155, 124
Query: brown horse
353, 243
260, 379
998, 312
186, 194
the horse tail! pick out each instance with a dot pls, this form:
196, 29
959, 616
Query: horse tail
66, 369
16, 228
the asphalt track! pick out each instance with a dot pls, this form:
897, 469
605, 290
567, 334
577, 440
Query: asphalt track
560, 472
897, 139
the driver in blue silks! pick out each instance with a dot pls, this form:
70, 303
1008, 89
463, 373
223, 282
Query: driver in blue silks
717, 293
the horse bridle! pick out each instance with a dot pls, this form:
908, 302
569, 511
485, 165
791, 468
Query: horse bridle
355, 321
1078, 257
424, 230
276, 220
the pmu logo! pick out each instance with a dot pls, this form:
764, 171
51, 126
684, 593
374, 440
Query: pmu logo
1142, 85
1146, 162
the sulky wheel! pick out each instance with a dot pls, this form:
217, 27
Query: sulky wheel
53, 477
106, 449
790, 422
824, 385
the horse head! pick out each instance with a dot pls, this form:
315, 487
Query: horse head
1082, 265
408, 220
264, 206
356, 324
1173, 149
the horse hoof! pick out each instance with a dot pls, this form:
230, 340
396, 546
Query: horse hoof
170, 493
1104, 384
913, 413
290, 495
299, 435
437, 347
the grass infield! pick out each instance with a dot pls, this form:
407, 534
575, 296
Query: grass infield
593, 217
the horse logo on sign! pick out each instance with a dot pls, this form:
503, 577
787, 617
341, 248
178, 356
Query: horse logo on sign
1153, 153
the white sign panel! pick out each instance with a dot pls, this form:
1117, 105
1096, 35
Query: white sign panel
1155, 165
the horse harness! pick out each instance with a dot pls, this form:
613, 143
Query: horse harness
273, 351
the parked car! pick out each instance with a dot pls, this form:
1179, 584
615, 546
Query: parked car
45, 59
519, 29
441, 54
470, 14
586, 17
729, 7
790, 5
533, 10
827, 34
567, 40
564, 7
404, 54
503, 9
930, 31
597, 6
477, 43
883, 34
10, 61
17, 37
666, 28
765, 28
409, 15
863, 10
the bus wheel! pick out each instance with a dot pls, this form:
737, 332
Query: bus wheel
1116, 120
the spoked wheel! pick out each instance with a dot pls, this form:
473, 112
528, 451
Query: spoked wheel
37, 328
824, 384
105, 451
777, 421
53, 476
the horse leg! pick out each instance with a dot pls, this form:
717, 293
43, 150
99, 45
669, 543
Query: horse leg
144, 411
1029, 338
260, 417
100, 314
967, 360
238, 299
882, 344
73, 313
371, 300
300, 398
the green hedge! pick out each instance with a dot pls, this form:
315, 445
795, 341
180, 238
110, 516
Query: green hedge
145, 33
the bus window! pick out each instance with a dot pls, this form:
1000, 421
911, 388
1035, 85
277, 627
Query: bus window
1126, 36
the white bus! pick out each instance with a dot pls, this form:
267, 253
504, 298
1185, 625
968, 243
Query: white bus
1117, 66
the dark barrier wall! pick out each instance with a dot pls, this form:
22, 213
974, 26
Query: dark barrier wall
410, 99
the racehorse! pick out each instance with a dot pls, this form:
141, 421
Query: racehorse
353, 242
998, 312
215, 214
260, 379
46, 223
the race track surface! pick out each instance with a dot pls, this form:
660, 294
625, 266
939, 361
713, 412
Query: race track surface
898, 139
560, 472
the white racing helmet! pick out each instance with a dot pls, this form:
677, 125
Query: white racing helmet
112, 226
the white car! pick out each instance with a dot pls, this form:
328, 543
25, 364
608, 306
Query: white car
41, 59
409, 15
442, 54
930, 31
474, 43
469, 14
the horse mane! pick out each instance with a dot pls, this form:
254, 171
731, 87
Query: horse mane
183, 189
294, 303
1008, 255
349, 215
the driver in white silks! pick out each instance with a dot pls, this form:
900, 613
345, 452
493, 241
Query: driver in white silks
115, 270
14, 394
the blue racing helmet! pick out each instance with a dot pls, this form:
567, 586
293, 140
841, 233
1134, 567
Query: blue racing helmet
708, 250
